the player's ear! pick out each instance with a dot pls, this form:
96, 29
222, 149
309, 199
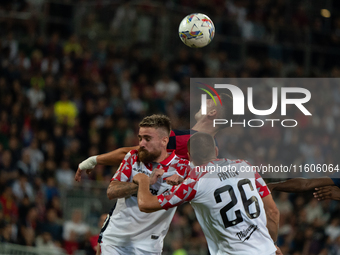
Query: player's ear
212, 113
165, 141
216, 151
188, 155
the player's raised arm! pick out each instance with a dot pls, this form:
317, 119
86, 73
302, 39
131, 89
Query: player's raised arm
109, 159
297, 185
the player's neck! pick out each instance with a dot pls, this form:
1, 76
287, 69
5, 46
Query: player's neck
206, 162
163, 156
205, 127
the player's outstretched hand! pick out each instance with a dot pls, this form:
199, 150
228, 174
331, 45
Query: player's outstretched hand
88, 165
327, 192
174, 180
278, 251
139, 177
156, 173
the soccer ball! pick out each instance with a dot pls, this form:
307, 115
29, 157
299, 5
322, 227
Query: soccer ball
196, 30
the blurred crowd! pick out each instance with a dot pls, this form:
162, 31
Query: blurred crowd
64, 98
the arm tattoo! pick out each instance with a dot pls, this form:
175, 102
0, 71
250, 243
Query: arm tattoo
119, 189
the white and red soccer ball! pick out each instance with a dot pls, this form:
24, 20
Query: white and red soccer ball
196, 30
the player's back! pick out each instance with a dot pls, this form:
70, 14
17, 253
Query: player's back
230, 210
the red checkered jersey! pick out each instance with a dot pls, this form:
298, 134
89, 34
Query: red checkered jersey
128, 226
178, 142
227, 205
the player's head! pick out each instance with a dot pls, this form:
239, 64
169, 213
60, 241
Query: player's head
153, 137
202, 148
218, 111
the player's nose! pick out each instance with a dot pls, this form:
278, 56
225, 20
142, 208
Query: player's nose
142, 143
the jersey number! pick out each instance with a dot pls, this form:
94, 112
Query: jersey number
246, 203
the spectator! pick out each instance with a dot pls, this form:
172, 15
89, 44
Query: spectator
8, 202
7, 172
65, 111
50, 189
24, 165
45, 244
35, 95
75, 227
22, 188
333, 230
64, 175
167, 88
36, 156
73, 46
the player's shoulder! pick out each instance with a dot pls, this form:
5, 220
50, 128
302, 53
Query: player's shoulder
238, 161
132, 155
133, 152
180, 132
181, 161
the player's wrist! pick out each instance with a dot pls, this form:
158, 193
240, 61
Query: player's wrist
88, 163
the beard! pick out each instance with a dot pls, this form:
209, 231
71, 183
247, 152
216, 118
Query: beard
146, 156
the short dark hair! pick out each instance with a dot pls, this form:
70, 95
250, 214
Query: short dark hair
201, 147
157, 121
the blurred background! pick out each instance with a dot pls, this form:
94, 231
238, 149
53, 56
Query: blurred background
76, 77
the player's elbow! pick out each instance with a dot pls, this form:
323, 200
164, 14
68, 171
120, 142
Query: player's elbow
143, 206
274, 214
110, 194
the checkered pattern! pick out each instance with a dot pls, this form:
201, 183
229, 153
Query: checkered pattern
127, 224
261, 185
188, 189
181, 193
227, 226
123, 173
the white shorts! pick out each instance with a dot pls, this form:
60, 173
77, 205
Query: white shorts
119, 250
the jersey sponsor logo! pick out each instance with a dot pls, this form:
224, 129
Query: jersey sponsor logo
154, 237
245, 234
154, 191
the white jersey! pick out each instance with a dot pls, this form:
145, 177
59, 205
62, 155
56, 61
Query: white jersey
128, 226
227, 206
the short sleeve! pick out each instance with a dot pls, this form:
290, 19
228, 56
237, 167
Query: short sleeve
261, 186
124, 171
179, 194
183, 168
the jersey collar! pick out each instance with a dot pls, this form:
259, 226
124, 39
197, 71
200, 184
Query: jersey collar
168, 160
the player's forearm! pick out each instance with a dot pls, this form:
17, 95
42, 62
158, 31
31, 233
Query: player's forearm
273, 219
114, 157
119, 189
300, 184
146, 201
272, 215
